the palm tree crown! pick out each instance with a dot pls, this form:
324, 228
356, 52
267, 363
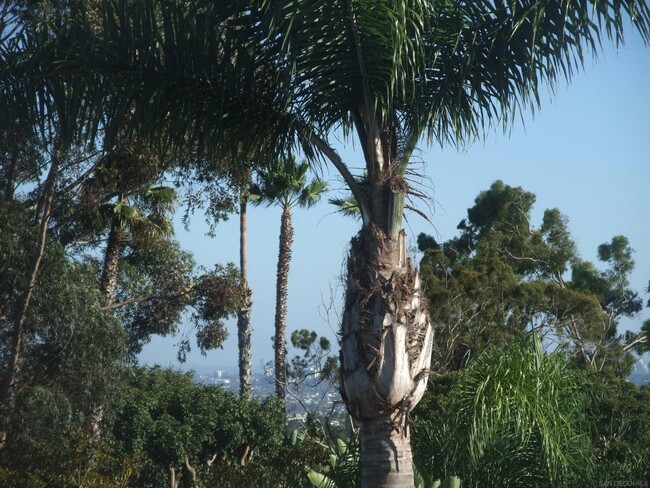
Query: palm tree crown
285, 183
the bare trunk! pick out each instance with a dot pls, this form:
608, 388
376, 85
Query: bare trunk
386, 459
244, 315
386, 342
108, 282
284, 257
43, 211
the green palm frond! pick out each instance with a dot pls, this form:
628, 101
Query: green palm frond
346, 206
213, 75
521, 416
312, 193
448, 69
186, 73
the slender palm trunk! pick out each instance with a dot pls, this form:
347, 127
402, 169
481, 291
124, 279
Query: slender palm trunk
43, 211
244, 315
108, 281
284, 257
386, 346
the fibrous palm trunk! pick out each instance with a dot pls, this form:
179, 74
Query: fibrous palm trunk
108, 281
284, 258
244, 315
386, 342
107, 286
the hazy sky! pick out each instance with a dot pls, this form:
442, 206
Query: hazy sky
587, 152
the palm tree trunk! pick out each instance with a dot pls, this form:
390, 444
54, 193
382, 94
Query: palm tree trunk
244, 315
386, 342
108, 281
386, 459
284, 257
43, 211
107, 286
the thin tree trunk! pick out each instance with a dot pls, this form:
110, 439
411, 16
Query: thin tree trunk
386, 347
189, 474
284, 258
108, 281
244, 315
43, 211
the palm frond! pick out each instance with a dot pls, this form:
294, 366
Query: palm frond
346, 206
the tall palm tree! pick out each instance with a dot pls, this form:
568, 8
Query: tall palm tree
284, 183
389, 72
244, 315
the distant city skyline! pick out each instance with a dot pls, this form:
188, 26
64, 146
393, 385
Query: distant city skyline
586, 152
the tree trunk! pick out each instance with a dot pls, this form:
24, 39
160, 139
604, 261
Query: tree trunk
386, 342
244, 315
284, 257
386, 459
108, 282
43, 211
107, 286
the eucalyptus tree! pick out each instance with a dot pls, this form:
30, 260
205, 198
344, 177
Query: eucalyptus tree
391, 73
57, 139
283, 182
503, 276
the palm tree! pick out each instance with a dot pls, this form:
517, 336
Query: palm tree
244, 314
391, 73
139, 217
284, 183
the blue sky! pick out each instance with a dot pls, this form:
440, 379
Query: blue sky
586, 152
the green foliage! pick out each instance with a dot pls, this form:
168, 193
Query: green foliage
216, 296
286, 465
69, 343
619, 414
164, 417
316, 357
71, 360
502, 277
517, 415
315, 367
284, 183
344, 465
159, 282
75, 459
